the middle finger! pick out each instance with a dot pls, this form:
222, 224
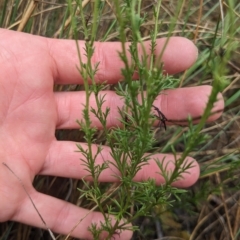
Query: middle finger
176, 105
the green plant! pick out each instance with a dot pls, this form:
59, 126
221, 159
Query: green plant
130, 142
218, 65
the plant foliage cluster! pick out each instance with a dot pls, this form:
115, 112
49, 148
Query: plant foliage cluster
213, 26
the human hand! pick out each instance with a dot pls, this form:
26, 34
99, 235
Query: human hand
30, 112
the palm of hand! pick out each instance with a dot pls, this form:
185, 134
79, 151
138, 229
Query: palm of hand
28, 116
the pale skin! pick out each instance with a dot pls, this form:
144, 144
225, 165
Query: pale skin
30, 112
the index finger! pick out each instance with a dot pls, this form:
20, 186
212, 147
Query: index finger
65, 58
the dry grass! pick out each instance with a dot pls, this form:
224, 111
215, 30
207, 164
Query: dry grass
211, 209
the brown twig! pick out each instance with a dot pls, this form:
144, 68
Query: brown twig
23, 186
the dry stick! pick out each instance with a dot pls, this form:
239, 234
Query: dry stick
222, 15
91, 210
27, 15
237, 220
198, 21
230, 200
225, 207
76, 225
194, 40
50, 232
